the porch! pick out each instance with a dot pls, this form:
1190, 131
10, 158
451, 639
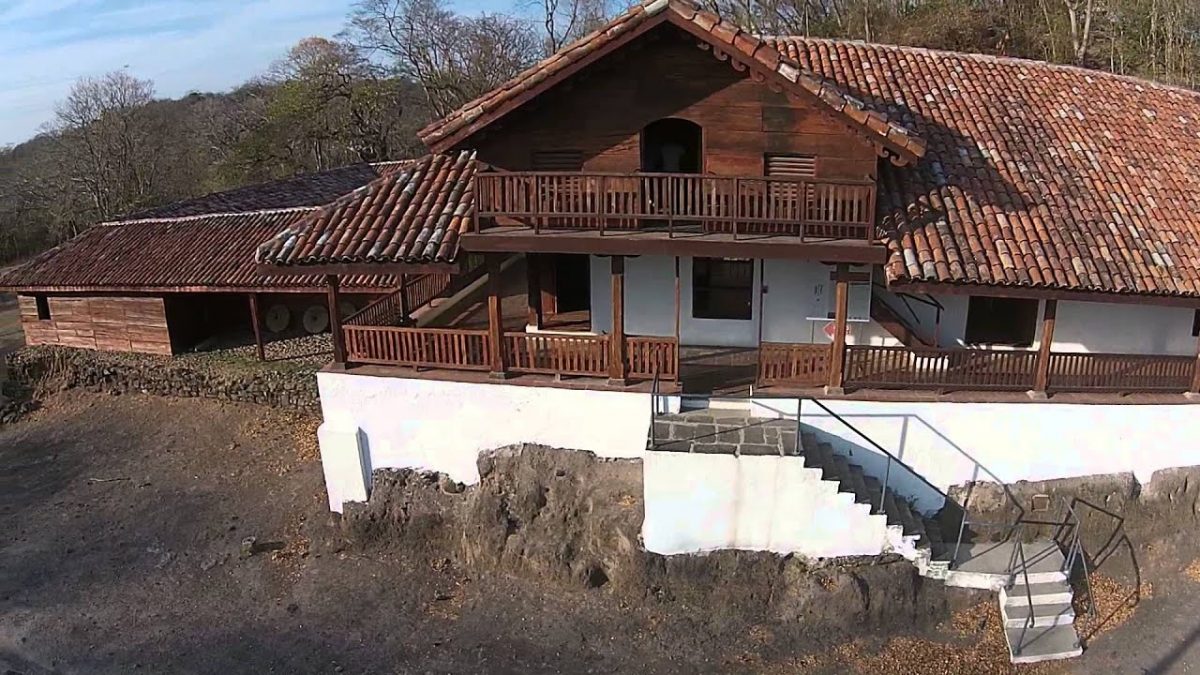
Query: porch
510, 330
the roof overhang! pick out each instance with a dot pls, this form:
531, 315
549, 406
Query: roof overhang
744, 52
1044, 293
354, 269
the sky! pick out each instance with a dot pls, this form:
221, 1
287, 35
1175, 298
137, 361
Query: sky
182, 45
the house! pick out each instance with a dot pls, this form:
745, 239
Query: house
164, 280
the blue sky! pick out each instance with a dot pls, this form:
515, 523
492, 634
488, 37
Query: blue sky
183, 45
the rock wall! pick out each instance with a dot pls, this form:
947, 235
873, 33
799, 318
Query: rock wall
58, 368
568, 517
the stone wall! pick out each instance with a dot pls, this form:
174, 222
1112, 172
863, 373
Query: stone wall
48, 368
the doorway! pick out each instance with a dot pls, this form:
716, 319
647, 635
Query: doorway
672, 145
573, 283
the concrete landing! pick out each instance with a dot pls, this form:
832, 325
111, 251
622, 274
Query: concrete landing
986, 565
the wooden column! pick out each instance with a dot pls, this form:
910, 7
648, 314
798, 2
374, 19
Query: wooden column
405, 310
533, 289
616, 358
495, 318
837, 355
335, 320
256, 322
1195, 390
1042, 378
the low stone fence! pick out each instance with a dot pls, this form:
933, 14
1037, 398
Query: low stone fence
48, 368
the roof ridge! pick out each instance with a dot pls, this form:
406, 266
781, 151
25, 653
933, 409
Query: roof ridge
202, 216
986, 58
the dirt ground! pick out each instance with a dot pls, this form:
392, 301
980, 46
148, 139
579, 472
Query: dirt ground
142, 534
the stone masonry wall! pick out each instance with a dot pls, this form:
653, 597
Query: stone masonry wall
57, 368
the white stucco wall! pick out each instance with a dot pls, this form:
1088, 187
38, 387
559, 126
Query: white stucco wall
952, 443
391, 422
699, 502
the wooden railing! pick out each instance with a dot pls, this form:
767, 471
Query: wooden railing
418, 347
936, 368
647, 356
386, 311
1120, 372
582, 355
805, 208
801, 365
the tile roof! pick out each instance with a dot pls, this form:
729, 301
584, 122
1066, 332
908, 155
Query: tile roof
309, 190
197, 244
412, 215
204, 253
901, 144
1036, 175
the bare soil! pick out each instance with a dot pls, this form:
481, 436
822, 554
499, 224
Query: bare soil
142, 534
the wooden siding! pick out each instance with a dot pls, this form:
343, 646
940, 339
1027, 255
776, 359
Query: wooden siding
601, 111
107, 323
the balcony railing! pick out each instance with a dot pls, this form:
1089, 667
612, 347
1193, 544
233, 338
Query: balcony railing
737, 205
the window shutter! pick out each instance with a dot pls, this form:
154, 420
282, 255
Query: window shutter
557, 160
791, 166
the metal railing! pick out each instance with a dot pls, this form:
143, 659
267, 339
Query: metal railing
1076, 552
1019, 552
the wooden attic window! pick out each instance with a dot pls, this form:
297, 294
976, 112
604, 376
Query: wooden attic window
790, 166
558, 160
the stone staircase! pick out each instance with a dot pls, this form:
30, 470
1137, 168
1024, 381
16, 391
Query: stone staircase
1049, 634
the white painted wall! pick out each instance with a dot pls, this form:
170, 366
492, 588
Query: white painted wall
392, 422
700, 502
1127, 329
952, 443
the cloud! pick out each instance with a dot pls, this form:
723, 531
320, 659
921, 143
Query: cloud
183, 45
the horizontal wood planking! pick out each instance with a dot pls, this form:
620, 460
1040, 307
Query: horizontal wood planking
602, 111
104, 323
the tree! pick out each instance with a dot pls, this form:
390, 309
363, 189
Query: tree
106, 144
453, 58
565, 21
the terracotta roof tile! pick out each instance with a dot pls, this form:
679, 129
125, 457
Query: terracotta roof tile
211, 252
412, 215
1035, 174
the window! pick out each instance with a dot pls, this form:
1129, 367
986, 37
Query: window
1196, 324
1001, 321
722, 288
43, 307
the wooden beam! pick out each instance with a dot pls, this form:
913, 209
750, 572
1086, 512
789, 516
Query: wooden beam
533, 290
335, 320
499, 369
616, 360
523, 240
837, 356
1042, 379
256, 323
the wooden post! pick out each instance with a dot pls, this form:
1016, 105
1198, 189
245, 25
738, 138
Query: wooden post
335, 321
405, 310
495, 318
1194, 392
616, 359
533, 289
256, 322
1042, 379
837, 356
678, 320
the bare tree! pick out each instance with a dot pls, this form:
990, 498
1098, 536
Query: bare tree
106, 142
565, 21
454, 58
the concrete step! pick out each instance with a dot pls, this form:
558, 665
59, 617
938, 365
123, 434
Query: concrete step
1045, 593
1055, 614
858, 486
1042, 643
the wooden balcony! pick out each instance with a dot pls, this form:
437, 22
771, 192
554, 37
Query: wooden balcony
741, 206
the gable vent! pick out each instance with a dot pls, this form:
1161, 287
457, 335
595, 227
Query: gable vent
557, 160
791, 166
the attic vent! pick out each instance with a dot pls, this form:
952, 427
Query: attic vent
791, 166
557, 160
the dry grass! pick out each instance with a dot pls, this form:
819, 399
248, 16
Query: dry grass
1192, 571
1115, 604
278, 425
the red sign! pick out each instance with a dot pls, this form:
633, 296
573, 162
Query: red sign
830, 329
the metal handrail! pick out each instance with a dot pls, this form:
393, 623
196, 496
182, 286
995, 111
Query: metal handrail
1019, 550
1077, 551
654, 394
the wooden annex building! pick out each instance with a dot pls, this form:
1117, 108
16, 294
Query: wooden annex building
169, 279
